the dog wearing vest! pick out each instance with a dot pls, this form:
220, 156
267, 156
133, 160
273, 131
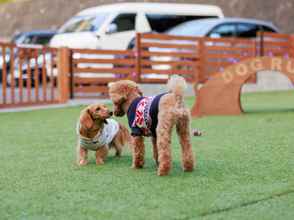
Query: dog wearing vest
97, 132
155, 117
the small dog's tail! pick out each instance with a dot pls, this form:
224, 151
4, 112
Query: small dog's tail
177, 85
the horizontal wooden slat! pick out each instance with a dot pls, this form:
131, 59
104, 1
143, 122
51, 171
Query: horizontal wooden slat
169, 45
102, 70
171, 63
275, 35
105, 61
169, 54
233, 56
153, 80
275, 44
80, 80
167, 72
234, 49
231, 41
110, 52
91, 89
167, 37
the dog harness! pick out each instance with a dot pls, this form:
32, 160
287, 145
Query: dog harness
102, 138
142, 115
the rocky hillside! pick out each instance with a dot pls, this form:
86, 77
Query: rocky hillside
24, 15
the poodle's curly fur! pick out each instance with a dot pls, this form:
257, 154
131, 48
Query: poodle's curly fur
171, 112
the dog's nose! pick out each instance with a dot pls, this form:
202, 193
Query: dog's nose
110, 113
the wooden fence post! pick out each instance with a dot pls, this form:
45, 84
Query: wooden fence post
63, 65
138, 57
291, 54
201, 62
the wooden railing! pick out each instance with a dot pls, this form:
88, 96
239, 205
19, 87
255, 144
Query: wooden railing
28, 75
42, 75
92, 70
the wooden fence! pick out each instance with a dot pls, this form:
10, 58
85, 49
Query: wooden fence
28, 75
42, 75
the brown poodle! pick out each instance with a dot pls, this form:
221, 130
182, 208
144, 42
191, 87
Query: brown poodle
155, 116
99, 133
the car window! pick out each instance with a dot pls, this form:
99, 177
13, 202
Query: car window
188, 29
247, 30
161, 23
83, 23
125, 22
267, 29
44, 40
223, 30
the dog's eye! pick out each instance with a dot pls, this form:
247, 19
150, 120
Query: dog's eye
97, 109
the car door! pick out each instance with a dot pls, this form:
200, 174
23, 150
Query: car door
120, 32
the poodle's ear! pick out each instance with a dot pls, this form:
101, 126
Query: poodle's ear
86, 120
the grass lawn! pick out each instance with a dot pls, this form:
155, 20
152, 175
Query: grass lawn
245, 169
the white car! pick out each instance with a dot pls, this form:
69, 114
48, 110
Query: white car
114, 26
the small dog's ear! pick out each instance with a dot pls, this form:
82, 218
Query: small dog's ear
86, 119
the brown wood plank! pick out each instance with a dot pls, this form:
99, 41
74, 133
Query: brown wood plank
169, 54
217, 56
104, 61
171, 63
29, 74
191, 46
167, 72
153, 80
167, 37
91, 89
44, 75
36, 75
233, 49
12, 84
81, 80
4, 74
102, 70
20, 80
284, 44
99, 52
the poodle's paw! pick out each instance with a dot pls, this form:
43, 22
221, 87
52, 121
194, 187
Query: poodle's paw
83, 162
163, 169
99, 162
138, 165
188, 167
162, 172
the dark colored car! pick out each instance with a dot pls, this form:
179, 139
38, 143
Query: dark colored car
38, 37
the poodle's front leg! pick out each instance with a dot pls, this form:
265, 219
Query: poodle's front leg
138, 151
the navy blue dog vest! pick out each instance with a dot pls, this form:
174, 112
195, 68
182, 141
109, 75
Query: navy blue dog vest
142, 115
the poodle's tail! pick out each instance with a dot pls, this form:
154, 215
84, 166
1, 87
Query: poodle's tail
177, 85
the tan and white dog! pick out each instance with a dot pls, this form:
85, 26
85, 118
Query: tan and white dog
97, 132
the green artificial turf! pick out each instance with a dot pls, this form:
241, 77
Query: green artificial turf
245, 169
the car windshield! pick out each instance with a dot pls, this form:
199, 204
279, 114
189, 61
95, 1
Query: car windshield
189, 29
83, 24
